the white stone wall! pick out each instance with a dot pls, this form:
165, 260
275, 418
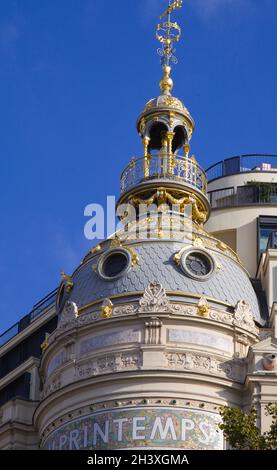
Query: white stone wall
165, 370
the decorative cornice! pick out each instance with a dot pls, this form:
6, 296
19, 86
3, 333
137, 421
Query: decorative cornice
155, 301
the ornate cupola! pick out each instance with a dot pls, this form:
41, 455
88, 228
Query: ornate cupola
167, 173
156, 322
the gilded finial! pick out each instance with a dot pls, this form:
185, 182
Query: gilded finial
166, 84
167, 34
176, 4
68, 281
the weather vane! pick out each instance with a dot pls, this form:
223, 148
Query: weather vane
168, 33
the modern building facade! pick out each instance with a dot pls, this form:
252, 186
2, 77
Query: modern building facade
163, 323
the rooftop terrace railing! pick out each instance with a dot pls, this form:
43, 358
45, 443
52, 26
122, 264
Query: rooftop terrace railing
36, 312
164, 166
243, 196
242, 164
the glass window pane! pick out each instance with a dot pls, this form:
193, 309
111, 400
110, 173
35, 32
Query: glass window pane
264, 236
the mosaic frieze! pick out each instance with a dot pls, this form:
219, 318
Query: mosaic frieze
141, 427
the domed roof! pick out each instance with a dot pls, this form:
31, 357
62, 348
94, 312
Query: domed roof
167, 101
156, 262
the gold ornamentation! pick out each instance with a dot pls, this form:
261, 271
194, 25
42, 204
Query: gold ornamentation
96, 249
106, 309
177, 257
221, 246
183, 170
166, 84
176, 33
168, 101
167, 34
45, 343
142, 124
176, 4
172, 102
198, 242
187, 149
115, 243
148, 105
190, 131
163, 196
67, 281
135, 257
171, 118
203, 307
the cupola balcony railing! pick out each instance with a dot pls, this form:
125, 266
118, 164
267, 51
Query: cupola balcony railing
164, 167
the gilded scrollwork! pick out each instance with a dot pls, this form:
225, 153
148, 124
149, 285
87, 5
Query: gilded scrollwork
163, 196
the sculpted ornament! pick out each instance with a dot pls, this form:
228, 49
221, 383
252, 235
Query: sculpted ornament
124, 310
154, 299
69, 313
51, 386
67, 281
108, 364
203, 307
45, 343
206, 364
163, 196
243, 316
106, 309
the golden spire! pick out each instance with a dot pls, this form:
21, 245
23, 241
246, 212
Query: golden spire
168, 33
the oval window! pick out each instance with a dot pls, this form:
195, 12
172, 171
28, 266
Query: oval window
114, 264
197, 264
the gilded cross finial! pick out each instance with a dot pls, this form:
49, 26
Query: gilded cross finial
167, 34
171, 7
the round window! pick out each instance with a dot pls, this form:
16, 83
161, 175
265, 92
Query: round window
197, 264
114, 264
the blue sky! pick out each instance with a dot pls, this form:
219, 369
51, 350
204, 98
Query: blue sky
74, 75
